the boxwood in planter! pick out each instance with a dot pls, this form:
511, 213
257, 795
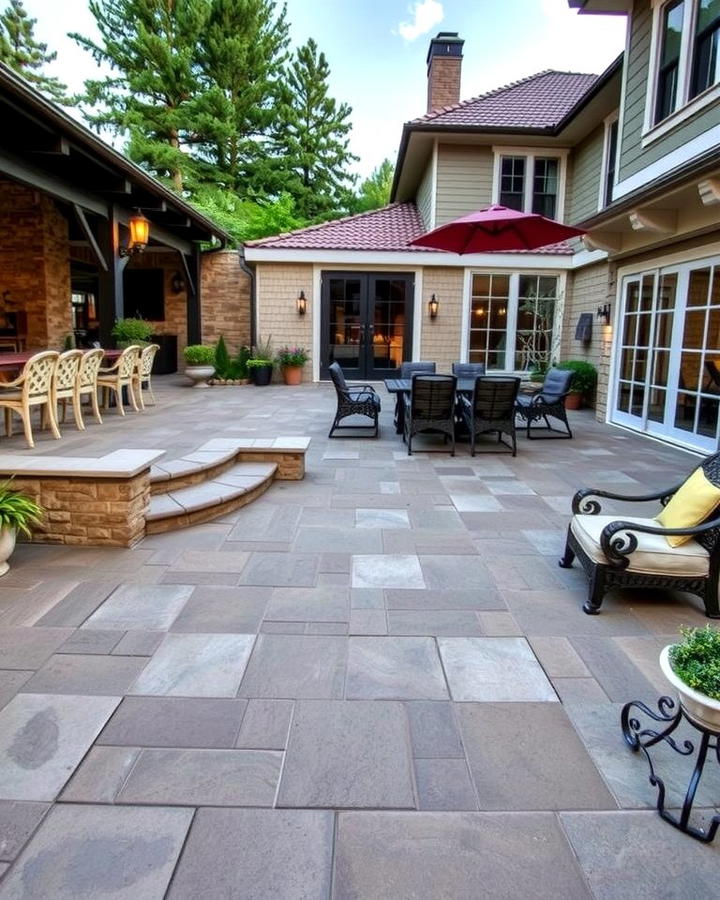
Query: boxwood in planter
260, 371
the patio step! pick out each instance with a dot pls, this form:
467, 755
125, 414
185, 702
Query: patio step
179, 507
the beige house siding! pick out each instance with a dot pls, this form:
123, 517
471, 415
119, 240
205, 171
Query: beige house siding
464, 180
278, 285
440, 337
424, 196
585, 179
587, 289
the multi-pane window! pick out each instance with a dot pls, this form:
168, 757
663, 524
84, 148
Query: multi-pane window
610, 161
530, 183
706, 58
537, 295
488, 320
669, 70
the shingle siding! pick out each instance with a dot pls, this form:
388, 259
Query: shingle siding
464, 180
424, 196
585, 178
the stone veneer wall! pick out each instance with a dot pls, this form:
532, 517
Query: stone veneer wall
34, 262
278, 286
441, 336
225, 297
587, 289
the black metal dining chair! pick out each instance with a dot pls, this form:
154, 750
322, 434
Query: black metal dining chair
430, 408
407, 370
468, 370
491, 410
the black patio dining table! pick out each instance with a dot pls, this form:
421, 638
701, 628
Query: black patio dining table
400, 386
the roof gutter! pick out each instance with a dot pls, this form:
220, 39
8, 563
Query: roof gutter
250, 272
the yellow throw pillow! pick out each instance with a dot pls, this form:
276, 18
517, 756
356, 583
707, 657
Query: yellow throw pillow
690, 505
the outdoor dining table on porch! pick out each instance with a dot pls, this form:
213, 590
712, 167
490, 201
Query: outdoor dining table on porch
13, 362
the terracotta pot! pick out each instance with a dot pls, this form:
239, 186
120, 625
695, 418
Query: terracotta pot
7, 545
292, 374
699, 707
573, 400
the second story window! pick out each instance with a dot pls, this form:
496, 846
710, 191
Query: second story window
669, 71
530, 183
706, 58
610, 159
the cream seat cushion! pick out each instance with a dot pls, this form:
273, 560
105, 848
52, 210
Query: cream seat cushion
653, 555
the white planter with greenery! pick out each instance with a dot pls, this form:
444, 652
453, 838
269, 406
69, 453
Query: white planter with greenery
18, 512
200, 364
696, 660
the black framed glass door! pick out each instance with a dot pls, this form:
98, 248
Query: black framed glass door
366, 322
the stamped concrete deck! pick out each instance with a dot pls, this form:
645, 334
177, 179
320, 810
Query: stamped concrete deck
374, 683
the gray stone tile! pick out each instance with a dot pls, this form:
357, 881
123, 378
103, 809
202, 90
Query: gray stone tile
10, 683
368, 621
433, 730
17, 822
91, 641
101, 774
219, 609
43, 737
76, 674
584, 691
75, 854
536, 743
282, 628
203, 778
471, 503
139, 643
497, 623
461, 855
141, 606
381, 518
174, 722
265, 725
457, 573
620, 678
451, 622
394, 668
487, 598
219, 579
196, 665
558, 657
388, 571
349, 540
228, 561
281, 570
326, 628
497, 669
29, 648
626, 855
367, 598
292, 666
444, 784
320, 604
264, 854
348, 754
76, 606
558, 613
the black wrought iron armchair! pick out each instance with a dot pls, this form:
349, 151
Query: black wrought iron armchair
491, 409
353, 400
430, 408
548, 403
633, 552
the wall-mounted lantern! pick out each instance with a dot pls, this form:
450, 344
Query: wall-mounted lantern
603, 312
177, 283
139, 228
433, 306
301, 303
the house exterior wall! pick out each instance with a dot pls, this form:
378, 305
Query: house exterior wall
225, 299
584, 175
278, 285
464, 180
425, 197
440, 337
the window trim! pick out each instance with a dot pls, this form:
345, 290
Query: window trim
561, 154
608, 124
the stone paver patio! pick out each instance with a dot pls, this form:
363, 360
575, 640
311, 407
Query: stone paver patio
374, 683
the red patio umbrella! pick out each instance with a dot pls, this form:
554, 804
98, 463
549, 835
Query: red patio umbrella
497, 228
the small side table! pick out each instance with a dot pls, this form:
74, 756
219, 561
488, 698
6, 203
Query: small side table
639, 738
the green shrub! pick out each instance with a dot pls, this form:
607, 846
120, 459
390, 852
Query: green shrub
584, 375
696, 660
18, 511
222, 359
240, 362
256, 363
132, 331
199, 355
292, 356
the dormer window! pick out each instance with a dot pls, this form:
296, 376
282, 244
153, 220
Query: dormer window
530, 181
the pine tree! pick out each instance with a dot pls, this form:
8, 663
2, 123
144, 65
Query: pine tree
20, 51
313, 137
375, 190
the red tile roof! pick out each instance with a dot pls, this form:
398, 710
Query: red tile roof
388, 229
538, 101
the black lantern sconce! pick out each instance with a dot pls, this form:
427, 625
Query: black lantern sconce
301, 304
433, 306
603, 312
177, 283
139, 228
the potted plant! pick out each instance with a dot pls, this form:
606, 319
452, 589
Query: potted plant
18, 512
200, 367
230, 370
693, 669
131, 331
583, 382
291, 361
260, 364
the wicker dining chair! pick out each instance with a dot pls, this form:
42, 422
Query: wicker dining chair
430, 408
87, 385
64, 385
491, 409
121, 375
144, 372
31, 388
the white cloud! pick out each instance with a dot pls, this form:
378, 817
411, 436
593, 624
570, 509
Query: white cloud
426, 15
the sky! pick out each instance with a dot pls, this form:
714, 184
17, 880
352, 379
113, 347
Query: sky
377, 51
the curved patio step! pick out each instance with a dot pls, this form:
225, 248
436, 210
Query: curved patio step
183, 506
195, 468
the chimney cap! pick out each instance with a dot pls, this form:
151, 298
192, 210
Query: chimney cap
447, 43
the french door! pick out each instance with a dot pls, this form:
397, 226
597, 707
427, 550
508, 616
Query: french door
669, 347
366, 323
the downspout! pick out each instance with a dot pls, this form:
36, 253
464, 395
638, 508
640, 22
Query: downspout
253, 299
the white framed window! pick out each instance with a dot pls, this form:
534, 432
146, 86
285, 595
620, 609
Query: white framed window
530, 179
608, 174
684, 62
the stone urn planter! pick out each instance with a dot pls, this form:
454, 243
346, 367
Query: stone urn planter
699, 707
292, 374
200, 375
7, 545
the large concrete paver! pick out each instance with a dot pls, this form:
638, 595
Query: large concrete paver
287, 666
394, 668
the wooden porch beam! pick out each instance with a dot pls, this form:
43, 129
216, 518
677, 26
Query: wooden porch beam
97, 252
26, 173
657, 221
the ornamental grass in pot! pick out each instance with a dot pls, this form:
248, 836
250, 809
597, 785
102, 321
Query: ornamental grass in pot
693, 668
18, 513
260, 365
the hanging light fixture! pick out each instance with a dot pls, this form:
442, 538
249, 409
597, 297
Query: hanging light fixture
433, 306
139, 228
301, 303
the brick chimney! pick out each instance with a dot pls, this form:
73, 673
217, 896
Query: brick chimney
444, 62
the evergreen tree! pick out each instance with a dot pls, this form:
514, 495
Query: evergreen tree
20, 51
374, 191
313, 136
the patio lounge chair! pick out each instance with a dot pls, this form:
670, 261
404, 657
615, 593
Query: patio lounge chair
646, 553
491, 409
548, 402
31, 388
353, 400
430, 408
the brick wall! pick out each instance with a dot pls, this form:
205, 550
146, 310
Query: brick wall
443, 82
225, 299
34, 261
441, 336
278, 285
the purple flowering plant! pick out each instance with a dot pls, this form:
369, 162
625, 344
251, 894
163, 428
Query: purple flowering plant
292, 356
